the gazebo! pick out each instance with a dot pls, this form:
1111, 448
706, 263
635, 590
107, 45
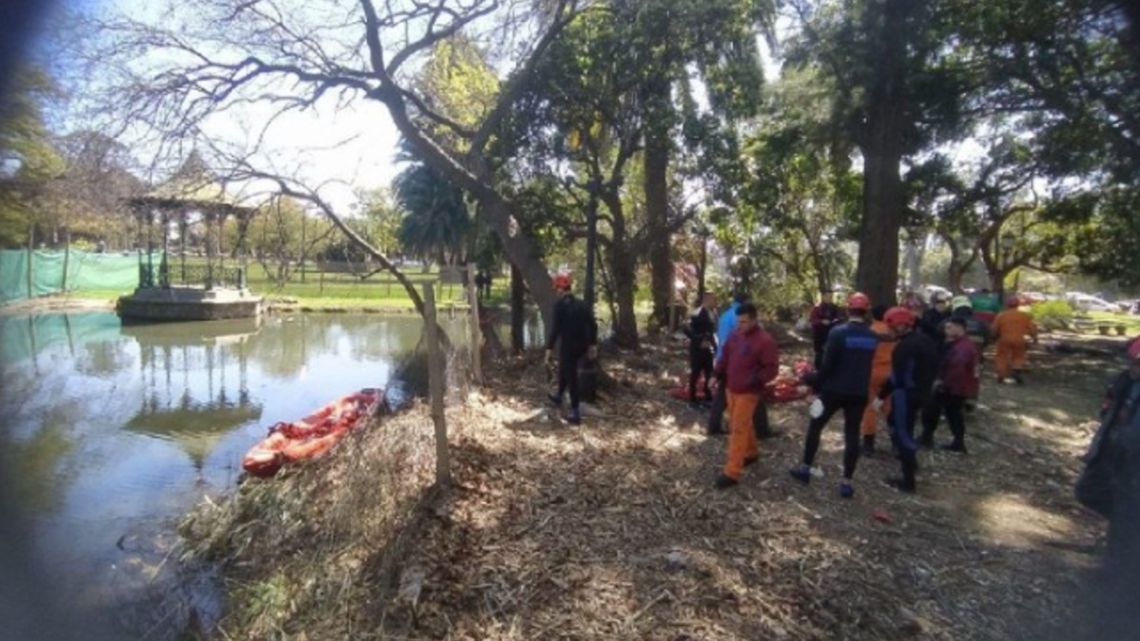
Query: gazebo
196, 290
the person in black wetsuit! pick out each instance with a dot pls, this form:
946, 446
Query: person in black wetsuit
824, 316
843, 383
932, 319
702, 346
914, 366
575, 331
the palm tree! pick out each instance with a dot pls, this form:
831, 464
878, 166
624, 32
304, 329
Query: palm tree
436, 223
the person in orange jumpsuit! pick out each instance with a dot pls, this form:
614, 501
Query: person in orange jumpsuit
750, 360
1010, 328
880, 372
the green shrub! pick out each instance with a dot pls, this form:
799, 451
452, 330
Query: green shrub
1052, 314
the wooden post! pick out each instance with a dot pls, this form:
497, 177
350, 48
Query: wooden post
66, 259
31, 257
435, 385
476, 331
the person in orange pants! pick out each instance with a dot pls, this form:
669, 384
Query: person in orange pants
749, 361
1010, 328
880, 372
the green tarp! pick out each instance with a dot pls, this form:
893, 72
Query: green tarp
86, 271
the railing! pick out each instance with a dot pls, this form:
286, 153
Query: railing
180, 275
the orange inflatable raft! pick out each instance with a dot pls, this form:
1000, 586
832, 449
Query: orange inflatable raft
787, 387
313, 435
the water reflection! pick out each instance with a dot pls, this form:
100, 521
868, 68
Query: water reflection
110, 431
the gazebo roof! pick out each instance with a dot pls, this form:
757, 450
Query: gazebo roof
193, 186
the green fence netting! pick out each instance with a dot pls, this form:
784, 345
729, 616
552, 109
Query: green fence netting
85, 271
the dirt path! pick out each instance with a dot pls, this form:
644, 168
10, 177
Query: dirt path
613, 531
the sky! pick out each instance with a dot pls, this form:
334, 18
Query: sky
340, 149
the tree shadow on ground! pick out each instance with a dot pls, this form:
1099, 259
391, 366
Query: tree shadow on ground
612, 530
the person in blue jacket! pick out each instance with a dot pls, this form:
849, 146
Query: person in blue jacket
725, 327
843, 382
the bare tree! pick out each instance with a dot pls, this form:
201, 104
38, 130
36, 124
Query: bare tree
202, 61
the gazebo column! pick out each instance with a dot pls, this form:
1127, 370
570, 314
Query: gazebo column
209, 249
221, 249
149, 248
184, 227
164, 265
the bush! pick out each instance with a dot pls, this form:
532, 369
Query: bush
1052, 314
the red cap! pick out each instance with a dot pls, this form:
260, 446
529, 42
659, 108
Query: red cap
858, 301
563, 282
899, 317
1134, 349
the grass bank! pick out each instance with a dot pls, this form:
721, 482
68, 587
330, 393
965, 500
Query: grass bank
613, 530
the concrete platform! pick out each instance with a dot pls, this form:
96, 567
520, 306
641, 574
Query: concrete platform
159, 304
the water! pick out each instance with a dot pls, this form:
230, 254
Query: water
111, 433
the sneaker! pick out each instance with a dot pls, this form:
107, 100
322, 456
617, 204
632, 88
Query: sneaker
846, 490
751, 460
954, 447
1017, 378
724, 482
801, 474
555, 400
575, 417
900, 485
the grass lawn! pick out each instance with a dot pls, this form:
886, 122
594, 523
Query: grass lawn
1128, 320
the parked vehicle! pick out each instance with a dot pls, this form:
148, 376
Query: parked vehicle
1085, 303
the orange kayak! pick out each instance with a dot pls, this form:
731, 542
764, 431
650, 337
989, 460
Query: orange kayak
313, 435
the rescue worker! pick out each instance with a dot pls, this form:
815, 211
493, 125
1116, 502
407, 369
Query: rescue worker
575, 331
880, 372
842, 382
914, 364
1110, 485
749, 361
957, 383
933, 318
1010, 329
976, 330
702, 347
823, 317
760, 424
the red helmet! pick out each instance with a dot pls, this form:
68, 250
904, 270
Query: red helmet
859, 301
1134, 349
899, 317
563, 282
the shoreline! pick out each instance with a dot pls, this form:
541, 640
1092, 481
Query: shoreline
62, 304
613, 530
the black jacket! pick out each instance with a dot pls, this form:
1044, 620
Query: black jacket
701, 329
847, 360
574, 327
931, 324
914, 366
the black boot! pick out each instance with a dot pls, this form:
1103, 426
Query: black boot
956, 446
926, 440
869, 445
1017, 378
724, 482
901, 484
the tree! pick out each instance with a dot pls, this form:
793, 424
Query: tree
436, 224
801, 189
289, 55
899, 91
718, 38
28, 161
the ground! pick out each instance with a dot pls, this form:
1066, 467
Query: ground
613, 530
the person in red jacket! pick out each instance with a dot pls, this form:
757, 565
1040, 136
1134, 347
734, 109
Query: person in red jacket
749, 361
957, 382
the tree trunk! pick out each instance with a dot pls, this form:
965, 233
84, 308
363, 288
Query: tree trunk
877, 273
623, 270
591, 247
657, 207
518, 310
